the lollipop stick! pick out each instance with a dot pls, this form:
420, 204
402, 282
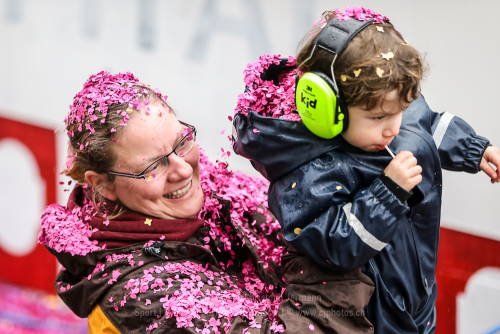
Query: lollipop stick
390, 152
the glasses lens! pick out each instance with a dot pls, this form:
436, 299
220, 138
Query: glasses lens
156, 169
186, 144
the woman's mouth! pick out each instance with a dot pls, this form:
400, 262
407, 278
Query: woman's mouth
179, 193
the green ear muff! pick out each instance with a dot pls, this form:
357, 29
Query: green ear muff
317, 96
319, 106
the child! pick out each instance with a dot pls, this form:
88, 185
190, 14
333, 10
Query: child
364, 217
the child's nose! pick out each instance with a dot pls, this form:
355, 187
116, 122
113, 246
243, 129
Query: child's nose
178, 169
392, 129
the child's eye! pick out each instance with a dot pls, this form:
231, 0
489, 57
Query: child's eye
379, 118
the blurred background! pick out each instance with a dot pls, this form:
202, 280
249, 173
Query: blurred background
195, 52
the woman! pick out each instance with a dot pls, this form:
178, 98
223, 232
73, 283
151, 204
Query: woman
154, 236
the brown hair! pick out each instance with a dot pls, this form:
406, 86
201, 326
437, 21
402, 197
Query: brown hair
98, 154
362, 73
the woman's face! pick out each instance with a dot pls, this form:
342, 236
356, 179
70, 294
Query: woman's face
146, 138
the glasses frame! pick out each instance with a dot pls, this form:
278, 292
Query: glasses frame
141, 174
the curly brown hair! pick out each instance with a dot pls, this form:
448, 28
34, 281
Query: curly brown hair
375, 62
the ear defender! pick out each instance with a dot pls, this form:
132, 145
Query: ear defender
317, 97
319, 106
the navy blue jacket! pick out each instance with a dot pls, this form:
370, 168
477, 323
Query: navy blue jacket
349, 219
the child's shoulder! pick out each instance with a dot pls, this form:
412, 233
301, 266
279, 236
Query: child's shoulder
277, 146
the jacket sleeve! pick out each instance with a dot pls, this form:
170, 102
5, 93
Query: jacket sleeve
460, 148
327, 220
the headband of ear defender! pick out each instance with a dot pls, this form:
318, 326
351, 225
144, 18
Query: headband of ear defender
317, 96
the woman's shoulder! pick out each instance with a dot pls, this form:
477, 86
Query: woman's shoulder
63, 228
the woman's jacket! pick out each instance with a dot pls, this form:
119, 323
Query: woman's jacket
213, 274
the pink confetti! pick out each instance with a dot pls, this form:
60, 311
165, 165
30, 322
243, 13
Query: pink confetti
361, 14
266, 98
311, 327
222, 132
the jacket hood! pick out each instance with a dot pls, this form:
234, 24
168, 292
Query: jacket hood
277, 146
267, 129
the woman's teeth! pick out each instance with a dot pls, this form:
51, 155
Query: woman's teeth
179, 193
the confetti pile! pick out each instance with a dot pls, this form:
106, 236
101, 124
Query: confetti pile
65, 231
263, 96
26, 311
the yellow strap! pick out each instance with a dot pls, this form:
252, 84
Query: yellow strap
98, 323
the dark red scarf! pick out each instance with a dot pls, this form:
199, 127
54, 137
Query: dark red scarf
130, 227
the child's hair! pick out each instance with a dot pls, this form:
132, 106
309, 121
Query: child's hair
96, 117
375, 62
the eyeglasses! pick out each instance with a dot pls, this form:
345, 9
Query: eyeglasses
159, 166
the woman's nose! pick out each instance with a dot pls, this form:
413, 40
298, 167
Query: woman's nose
178, 169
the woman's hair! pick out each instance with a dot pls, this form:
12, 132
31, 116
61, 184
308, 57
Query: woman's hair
96, 117
375, 62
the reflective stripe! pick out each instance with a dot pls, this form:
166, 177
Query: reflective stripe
235, 133
441, 128
360, 230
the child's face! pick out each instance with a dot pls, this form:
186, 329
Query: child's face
370, 130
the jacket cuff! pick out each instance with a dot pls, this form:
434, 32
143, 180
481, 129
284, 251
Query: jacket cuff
399, 192
474, 154
388, 199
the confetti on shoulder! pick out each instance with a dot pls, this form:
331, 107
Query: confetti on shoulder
294, 184
339, 187
148, 222
311, 327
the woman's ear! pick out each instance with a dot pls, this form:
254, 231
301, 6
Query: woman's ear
95, 179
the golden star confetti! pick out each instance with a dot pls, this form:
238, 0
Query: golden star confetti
343, 77
381, 29
148, 222
294, 184
357, 72
380, 72
339, 187
388, 55
129, 110
297, 230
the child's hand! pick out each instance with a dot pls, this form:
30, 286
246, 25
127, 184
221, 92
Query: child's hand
491, 154
404, 170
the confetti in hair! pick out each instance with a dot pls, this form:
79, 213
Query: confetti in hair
103, 90
360, 14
